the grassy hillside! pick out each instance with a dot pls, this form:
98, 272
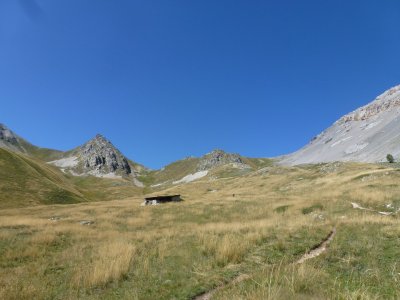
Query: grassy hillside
103, 189
256, 226
258, 163
43, 154
25, 181
181, 168
172, 172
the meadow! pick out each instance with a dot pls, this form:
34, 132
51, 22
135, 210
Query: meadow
255, 227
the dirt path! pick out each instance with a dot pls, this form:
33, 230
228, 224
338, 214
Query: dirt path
316, 251
209, 294
319, 249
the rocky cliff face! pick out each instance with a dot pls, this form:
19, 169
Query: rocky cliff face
97, 157
100, 156
367, 134
7, 135
218, 158
389, 100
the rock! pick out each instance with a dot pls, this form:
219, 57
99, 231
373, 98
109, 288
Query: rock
10, 140
387, 101
86, 222
7, 135
100, 155
318, 217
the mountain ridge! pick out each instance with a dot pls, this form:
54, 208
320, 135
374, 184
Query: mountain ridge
366, 134
100, 158
97, 157
11, 141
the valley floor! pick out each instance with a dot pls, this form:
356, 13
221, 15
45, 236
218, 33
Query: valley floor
255, 227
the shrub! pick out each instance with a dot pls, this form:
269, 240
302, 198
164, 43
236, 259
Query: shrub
390, 158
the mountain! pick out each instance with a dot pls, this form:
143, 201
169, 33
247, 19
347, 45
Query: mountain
11, 141
367, 134
98, 157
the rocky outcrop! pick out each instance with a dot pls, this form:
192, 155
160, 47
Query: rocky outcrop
9, 140
218, 158
100, 156
389, 100
7, 135
97, 157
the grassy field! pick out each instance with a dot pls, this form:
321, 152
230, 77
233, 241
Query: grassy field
258, 224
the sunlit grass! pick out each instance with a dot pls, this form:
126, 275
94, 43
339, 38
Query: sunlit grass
178, 250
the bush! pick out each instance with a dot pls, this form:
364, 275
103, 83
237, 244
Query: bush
390, 158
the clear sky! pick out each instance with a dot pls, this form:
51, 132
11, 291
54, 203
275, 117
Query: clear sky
168, 79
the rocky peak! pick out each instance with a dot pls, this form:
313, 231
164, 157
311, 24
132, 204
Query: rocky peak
218, 158
100, 156
100, 137
7, 135
10, 140
389, 100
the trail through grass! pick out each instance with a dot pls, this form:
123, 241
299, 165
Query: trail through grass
180, 250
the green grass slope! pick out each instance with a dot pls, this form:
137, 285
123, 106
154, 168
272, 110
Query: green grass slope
258, 163
25, 181
171, 172
44, 154
104, 189
254, 227
181, 168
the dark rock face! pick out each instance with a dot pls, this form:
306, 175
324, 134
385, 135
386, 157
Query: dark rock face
101, 157
7, 135
218, 158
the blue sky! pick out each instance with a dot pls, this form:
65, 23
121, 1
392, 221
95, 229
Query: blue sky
168, 79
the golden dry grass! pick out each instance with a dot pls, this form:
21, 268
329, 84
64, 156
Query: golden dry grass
110, 262
180, 249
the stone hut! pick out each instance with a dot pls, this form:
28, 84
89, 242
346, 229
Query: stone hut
161, 199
